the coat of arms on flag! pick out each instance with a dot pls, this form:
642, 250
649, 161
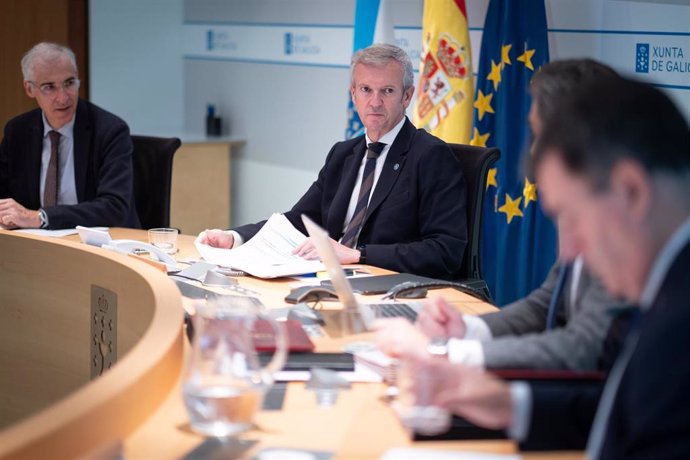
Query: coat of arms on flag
444, 98
438, 94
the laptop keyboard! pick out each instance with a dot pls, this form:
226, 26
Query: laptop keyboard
393, 310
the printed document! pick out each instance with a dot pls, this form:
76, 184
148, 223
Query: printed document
268, 254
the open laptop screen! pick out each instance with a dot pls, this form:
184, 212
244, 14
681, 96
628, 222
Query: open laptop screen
340, 282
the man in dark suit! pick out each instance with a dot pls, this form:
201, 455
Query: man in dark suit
412, 215
68, 162
614, 165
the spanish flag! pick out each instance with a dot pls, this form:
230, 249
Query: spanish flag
445, 93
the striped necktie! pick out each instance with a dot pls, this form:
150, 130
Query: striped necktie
50, 190
355, 226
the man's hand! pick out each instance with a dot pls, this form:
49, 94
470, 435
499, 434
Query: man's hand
346, 255
397, 337
14, 215
469, 392
216, 238
440, 319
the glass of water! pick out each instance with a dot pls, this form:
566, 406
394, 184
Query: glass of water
414, 404
164, 238
224, 385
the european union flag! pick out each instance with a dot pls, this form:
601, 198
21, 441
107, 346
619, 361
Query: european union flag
519, 241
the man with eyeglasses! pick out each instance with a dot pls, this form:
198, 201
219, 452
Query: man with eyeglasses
68, 162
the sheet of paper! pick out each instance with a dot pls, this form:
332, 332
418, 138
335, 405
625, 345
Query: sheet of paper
268, 254
44, 232
432, 454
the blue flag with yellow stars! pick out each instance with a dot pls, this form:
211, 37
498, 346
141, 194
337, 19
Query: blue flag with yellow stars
519, 241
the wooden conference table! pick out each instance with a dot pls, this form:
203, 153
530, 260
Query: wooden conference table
359, 426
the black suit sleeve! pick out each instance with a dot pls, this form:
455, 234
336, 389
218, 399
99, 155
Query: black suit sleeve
562, 414
4, 169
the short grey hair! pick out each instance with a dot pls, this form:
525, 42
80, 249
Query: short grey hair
381, 54
45, 51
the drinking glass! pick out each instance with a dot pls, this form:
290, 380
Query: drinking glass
164, 238
224, 384
414, 404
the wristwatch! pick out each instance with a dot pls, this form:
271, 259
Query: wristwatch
362, 254
43, 217
438, 347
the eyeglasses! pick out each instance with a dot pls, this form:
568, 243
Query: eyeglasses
71, 85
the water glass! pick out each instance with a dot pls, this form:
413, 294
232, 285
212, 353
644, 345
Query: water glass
414, 404
164, 238
224, 383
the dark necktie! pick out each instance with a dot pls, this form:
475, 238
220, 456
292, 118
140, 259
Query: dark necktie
353, 228
50, 191
563, 271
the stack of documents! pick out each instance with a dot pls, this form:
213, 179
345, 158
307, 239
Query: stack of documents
268, 254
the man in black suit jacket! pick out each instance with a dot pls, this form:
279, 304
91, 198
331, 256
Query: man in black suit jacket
614, 165
415, 221
93, 163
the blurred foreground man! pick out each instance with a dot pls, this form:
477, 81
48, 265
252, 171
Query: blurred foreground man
613, 165
68, 162
560, 325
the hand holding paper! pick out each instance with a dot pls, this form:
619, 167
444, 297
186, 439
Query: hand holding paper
268, 254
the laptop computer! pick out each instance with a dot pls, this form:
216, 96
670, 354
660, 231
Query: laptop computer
364, 314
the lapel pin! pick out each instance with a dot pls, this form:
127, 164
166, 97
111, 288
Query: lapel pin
396, 166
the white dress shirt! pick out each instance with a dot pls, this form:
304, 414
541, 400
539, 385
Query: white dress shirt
67, 192
387, 139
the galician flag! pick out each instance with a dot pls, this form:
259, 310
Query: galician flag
372, 25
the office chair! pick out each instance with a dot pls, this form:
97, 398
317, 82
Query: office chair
475, 163
153, 162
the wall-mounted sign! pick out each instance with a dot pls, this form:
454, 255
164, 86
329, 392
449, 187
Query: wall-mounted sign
317, 45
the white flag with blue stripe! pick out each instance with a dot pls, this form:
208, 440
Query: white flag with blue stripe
372, 25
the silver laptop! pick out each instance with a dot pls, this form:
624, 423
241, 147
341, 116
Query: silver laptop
367, 312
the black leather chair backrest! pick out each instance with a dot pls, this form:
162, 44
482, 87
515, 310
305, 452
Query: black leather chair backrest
475, 163
153, 162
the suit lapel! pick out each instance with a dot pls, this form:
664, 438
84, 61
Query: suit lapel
82, 140
395, 162
35, 149
341, 200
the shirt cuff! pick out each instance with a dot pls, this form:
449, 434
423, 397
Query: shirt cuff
521, 394
476, 329
468, 352
237, 239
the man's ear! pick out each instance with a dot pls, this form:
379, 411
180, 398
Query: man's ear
29, 89
407, 96
633, 187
